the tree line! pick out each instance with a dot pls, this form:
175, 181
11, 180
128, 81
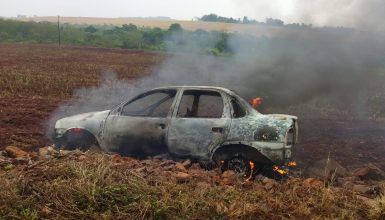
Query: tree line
127, 36
130, 36
267, 22
246, 20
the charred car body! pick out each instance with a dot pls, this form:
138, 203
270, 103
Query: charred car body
211, 124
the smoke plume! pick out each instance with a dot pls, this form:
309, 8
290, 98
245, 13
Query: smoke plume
319, 72
359, 14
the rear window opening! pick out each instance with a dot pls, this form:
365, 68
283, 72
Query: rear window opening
200, 104
238, 111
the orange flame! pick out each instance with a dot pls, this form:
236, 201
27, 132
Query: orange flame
255, 102
292, 164
279, 170
252, 165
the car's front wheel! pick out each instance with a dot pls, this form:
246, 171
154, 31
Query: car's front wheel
78, 139
240, 165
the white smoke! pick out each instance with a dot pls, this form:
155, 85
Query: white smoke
360, 14
295, 72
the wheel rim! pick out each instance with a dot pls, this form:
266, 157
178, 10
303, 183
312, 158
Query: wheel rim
238, 165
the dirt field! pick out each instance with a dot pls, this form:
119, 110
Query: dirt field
351, 143
35, 79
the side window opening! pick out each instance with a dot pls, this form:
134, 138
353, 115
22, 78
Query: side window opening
162, 109
238, 110
200, 104
153, 104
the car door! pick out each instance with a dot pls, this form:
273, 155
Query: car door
140, 126
199, 123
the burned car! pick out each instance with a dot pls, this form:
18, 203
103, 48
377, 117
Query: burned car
208, 124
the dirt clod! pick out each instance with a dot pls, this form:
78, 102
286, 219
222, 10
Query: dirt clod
81, 158
182, 177
179, 167
228, 174
15, 152
369, 172
269, 183
361, 189
312, 182
187, 163
326, 169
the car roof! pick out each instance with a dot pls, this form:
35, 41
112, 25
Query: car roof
197, 87
225, 90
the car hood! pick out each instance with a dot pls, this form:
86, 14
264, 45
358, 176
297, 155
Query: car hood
245, 128
90, 121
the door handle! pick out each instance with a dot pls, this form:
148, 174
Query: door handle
161, 125
217, 129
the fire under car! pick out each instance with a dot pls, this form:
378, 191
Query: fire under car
208, 124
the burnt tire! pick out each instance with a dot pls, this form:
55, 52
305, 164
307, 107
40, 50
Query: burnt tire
78, 140
239, 165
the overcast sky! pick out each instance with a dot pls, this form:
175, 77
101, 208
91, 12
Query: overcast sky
179, 9
319, 12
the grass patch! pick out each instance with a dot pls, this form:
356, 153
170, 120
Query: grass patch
99, 188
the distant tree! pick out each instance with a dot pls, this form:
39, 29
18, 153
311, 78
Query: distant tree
90, 29
4, 36
175, 35
274, 22
245, 20
129, 27
132, 40
227, 20
216, 18
222, 44
200, 31
210, 17
175, 28
153, 36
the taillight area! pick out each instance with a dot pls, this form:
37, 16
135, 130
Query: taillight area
290, 140
291, 136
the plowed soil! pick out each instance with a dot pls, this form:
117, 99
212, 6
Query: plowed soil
36, 79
